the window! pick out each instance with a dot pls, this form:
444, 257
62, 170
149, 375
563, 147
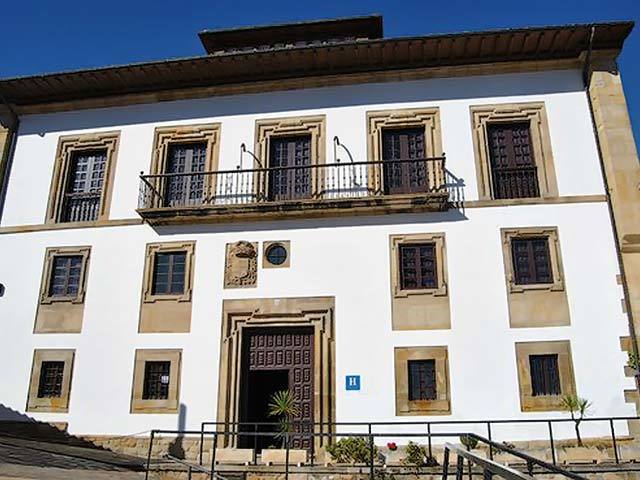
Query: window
169, 273
418, 266
84, 186
189, 159
419, 291
512, 148
83, 178
531, 260
545, 374
513, 167
287, 183
65, 275
62, 290
50, 382
400, 175
51, 375
403, 141
276, 254
422, 379
156, 380
545, 377
166, 288
289, 148
181, 156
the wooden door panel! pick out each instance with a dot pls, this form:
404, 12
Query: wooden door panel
286, 349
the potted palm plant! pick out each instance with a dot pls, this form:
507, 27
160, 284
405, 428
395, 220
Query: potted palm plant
282, 406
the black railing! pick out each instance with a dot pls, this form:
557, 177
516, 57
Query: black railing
328, 429
521, 182
81, 207
373, 464
293, 183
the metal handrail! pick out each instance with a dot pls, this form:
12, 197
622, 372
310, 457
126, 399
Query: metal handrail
295, 167
487, 465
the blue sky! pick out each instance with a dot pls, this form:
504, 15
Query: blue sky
45, 36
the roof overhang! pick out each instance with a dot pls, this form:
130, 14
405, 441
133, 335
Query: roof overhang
317, 31
293, 64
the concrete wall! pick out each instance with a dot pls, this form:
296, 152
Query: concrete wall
347, 258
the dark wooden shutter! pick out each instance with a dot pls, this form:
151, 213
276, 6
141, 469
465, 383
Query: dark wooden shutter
156, 380
400, 174
418, 266
513, 167
84, 186
531, 260
287, 183
50, 382
545, 376
65, 275
169, 273
189, 159
422, 379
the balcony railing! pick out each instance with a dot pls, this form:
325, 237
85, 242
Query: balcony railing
293, 185
521, 182
81, 207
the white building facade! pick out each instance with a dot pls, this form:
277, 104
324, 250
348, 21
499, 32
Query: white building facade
474, 290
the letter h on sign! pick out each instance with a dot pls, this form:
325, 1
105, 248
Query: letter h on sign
353, 382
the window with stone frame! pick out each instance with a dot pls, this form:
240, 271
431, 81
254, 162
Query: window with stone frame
531, 261
83, 178
50, 381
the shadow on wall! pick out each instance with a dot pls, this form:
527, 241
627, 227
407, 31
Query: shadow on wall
378, 95
452, 215
175, 448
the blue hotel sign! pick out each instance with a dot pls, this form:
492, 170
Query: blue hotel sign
352, 382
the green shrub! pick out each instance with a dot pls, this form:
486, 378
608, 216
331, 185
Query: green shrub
351, 450
417, 455
469, 441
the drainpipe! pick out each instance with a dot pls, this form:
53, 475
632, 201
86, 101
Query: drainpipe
586, 76
5, 165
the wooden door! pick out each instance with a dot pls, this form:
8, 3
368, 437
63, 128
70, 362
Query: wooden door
286, 183
190, 159
399, 174
274, 351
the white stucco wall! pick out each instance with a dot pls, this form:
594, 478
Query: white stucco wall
347, 258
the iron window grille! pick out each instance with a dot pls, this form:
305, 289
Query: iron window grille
50, 383
156, 380
545, 376
422, 379
66, 271
169, 270
531, 260
418, 266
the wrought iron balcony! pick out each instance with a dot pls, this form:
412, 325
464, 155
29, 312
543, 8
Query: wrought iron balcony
359, 187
